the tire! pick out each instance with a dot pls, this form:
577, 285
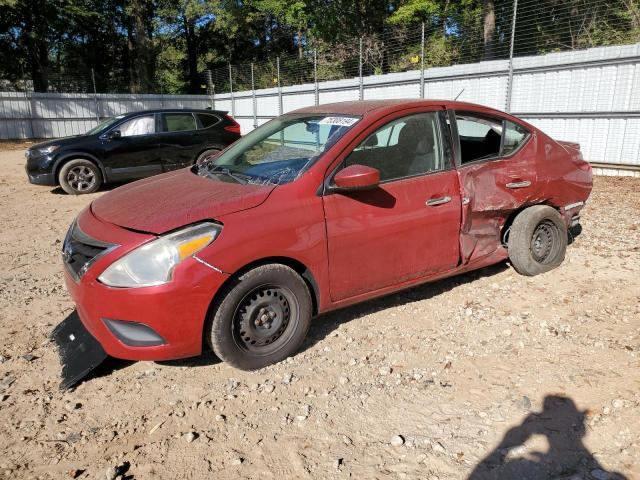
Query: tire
537, 240
207, 153
79, 176
262, 317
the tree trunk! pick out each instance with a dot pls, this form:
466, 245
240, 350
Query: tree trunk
192, 55
489, 14
37, 47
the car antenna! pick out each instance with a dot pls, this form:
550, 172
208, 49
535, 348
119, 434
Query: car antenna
458, 95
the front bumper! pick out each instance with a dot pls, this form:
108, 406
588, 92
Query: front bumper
40, 170
48, 179
175, 311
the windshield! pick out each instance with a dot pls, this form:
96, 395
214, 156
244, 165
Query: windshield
279, 151
102, 126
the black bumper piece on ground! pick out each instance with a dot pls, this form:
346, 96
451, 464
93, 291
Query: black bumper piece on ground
79, 351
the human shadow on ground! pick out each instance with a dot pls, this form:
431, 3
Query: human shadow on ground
564, 427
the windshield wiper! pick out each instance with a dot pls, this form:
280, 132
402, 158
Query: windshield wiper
238, 177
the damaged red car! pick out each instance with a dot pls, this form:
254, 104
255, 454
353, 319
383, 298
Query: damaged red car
317, 209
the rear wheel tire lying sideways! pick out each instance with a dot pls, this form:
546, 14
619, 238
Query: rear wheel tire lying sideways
205, 155
262, 317
537, 240
79, 176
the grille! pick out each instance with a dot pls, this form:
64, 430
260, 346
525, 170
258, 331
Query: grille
79, 251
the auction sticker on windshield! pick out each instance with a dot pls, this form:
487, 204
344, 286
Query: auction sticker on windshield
343, 121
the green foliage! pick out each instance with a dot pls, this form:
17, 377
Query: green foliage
165, 45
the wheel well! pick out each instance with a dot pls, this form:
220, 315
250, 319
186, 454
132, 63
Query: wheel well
292, 263
214, 147
78, 157
504, 233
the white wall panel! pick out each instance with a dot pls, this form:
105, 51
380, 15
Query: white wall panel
594, 97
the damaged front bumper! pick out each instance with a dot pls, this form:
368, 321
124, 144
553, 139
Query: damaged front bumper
79, 351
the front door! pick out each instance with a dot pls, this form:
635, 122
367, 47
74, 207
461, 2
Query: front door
406, 228
134, 153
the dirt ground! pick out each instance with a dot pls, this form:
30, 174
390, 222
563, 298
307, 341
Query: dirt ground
489, 369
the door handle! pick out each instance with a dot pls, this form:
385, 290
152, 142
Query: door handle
432, 202
521, 184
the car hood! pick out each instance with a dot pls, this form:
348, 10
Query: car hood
58, 141
171, 200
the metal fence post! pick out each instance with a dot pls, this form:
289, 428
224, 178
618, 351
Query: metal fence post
315, 76
510, 79
361, 92
422, 63
95, 94
279, 87
253, 100
233, 101
209, 76
29, 101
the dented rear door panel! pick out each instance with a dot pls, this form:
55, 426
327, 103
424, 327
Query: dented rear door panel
491, 191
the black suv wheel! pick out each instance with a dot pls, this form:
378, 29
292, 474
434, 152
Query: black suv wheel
79, 176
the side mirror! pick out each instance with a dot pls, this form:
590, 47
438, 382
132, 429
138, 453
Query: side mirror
113, 134
356, 177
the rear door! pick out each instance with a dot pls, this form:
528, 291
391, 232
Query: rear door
180, 140
406, 228
496, 160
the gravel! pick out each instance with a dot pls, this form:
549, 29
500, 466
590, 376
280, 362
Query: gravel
433, 365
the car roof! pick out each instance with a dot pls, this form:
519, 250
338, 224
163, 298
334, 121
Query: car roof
176, 110
364, 107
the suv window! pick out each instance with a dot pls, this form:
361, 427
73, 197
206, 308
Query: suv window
144, 125
403, 148
178, 122
207, 120
483, 137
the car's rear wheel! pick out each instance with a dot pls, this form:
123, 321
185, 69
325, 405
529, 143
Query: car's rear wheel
537, 240
262, 317
212, 152
79, 176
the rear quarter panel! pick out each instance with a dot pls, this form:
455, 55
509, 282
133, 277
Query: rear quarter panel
567, 176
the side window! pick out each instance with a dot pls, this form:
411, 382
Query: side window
479, 136
178, 122
207, 120
145, 125
405, 147
514, 135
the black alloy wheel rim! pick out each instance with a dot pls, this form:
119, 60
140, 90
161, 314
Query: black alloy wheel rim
265, 319
545, 242
81, 178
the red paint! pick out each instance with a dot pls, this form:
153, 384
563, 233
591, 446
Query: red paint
234, 127
355, 245
357, 177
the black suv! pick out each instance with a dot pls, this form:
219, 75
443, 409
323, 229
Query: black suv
130, 146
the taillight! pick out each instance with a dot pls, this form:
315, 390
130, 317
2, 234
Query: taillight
234, 127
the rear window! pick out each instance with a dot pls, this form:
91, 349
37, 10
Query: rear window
514, 135
178, 122
207, 120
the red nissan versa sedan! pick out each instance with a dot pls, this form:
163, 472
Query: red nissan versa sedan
317, 209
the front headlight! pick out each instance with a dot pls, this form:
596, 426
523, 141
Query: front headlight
153, 263
47, 150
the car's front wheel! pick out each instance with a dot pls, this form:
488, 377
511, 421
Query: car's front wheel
537, 240
262, 317
79, 176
